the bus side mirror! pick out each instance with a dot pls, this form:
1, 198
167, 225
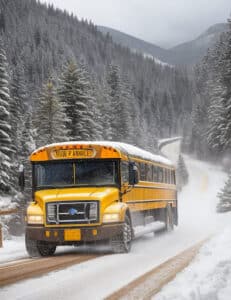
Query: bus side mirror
133, 174
21, 178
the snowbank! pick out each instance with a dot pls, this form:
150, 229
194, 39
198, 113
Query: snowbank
208, 277
5, 203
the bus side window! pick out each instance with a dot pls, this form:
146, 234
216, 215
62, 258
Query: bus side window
142, 172
124, 172
160, 174
155, 174
174, 177
164, 175
149, 172
169, 176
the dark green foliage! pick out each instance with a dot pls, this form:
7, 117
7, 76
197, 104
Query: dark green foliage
50, 118
74, 92
211, 130
5, 128
224, 196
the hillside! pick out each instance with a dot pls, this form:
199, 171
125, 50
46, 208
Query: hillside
40, 39
186, 53
101, 90
193, 51
134, 43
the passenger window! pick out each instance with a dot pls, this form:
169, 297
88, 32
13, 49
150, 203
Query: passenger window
168, 176
155, 174
142, 172
160, 174
124, 172
149, 172
174, 177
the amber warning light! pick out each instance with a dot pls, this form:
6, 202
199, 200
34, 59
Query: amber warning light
72, 153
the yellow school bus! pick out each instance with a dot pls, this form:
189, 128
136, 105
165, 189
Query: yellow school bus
85, 192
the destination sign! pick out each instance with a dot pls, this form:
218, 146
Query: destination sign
72, 153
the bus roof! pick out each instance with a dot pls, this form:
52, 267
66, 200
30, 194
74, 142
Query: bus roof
123, 148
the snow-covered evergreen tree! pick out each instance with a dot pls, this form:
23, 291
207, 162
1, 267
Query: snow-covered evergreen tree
17, 111
27, 147
5, 128
224, 196
50, 117
216, 119
120, 97
18, 104
181, 173
75, 96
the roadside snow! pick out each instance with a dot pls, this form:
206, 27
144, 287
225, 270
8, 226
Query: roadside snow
5, 203
208, 277
13, 249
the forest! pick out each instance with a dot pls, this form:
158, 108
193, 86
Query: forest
62, 79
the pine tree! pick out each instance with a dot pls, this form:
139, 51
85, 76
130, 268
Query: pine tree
226, 77
18, 107
120, 96
224, 196
5, 128
17, 111
27, 147
216, 119
50, 120
74, 94
181, 173
105, 111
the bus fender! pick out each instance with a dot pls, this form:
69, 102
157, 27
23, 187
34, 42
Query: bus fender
118, 208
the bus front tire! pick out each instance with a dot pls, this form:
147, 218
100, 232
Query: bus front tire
121, 243
39, 248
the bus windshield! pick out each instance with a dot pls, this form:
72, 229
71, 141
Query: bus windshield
77, 173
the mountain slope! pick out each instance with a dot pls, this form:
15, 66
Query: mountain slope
134, 43
186, 53
191, 52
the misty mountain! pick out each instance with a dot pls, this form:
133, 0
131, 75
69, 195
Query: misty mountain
193, 51
186, 53
134, 43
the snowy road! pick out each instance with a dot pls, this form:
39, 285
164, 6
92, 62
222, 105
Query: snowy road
98, 278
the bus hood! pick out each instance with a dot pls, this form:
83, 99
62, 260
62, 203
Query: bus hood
106, 195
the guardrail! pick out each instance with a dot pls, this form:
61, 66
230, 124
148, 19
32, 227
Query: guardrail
3, 213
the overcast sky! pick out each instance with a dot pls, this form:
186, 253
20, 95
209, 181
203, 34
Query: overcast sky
162, 22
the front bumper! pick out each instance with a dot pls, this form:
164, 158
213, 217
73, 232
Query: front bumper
87, 234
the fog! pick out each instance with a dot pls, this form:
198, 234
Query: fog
162, 22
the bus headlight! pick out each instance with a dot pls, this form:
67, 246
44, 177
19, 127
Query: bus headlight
107, 218
34, 219
93, 211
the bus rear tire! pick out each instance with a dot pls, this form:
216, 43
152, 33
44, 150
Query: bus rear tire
121, 243
169, 219
39, 248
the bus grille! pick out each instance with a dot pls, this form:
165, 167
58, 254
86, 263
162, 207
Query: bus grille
73, 212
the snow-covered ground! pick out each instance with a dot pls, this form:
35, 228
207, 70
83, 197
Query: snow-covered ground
98, 278
208, 277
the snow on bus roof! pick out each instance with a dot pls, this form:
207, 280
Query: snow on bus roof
123, 147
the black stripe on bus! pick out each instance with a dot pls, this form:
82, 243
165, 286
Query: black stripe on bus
154, 187
145, 201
